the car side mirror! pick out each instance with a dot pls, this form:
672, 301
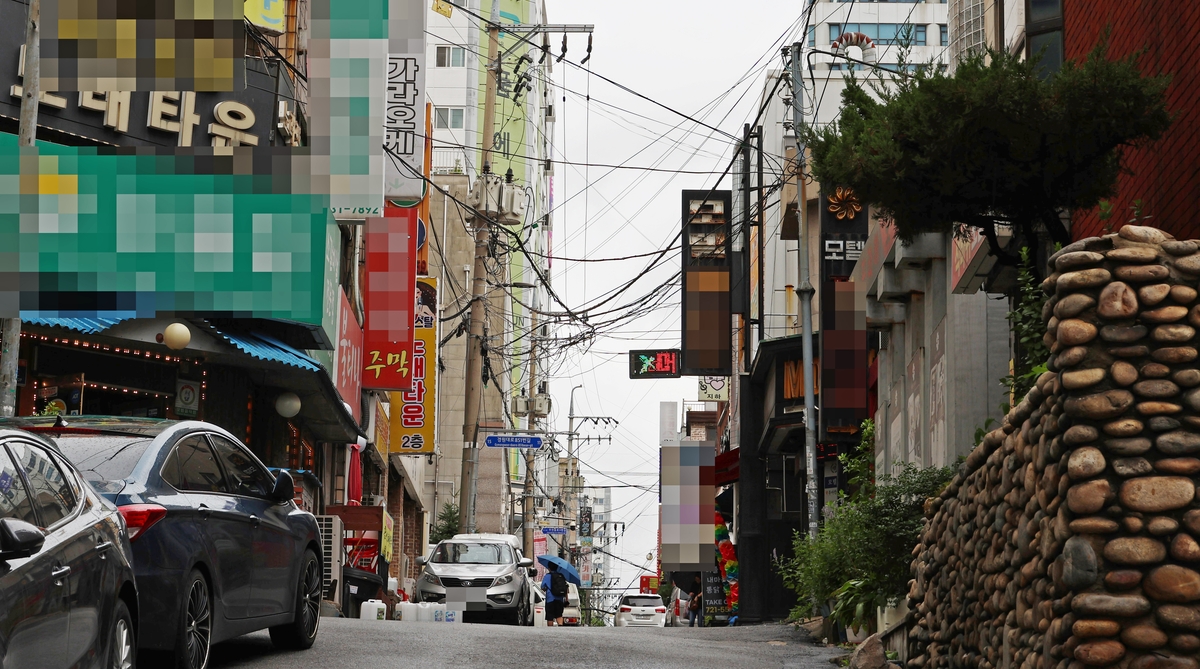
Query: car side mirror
526, 562
19, 539
421, 560
285, 489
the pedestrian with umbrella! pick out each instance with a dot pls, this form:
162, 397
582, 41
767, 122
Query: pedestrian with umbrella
559, 574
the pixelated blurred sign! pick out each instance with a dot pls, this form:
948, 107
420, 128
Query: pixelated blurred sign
267, 15
654, 364
149, 116
414, 412
404, 111
707, 334
714, 389
389, 299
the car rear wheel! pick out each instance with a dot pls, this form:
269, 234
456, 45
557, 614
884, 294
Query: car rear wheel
194, 636
302, 631
121, 649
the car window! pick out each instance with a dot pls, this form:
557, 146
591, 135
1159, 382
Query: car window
192, 466
643, 600
245, 476
102, 458
14, 498
463, 552
52, 493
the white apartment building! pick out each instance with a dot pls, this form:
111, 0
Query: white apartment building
889, 25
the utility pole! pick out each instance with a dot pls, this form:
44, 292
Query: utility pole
806, 292
10, 328
569, 480
474, 378
527, 501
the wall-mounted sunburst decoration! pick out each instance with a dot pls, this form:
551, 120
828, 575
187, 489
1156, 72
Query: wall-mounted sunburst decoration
844, 204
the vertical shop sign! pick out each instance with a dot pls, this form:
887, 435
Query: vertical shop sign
414, 412
404, 108
349, 357
937, 396
391, 249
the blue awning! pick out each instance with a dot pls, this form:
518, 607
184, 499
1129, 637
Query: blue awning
266, 347
84, 325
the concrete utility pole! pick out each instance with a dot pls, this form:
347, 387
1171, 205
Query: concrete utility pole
573, 480
10, 328
806, 292
474, 379
527, 500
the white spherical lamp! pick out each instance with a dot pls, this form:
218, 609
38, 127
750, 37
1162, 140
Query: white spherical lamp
287, 404
177, 336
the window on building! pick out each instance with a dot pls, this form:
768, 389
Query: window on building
944, 32
881, 33
448, 118
812, 36
451, 56
1044, 28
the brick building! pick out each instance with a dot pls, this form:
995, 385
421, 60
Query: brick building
1165, 175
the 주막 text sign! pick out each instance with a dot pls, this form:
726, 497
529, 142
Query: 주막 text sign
513, 441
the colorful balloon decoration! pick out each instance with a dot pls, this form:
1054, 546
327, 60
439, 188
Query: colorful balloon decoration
728, 564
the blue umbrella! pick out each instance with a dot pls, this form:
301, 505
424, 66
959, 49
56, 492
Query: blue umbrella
564, 568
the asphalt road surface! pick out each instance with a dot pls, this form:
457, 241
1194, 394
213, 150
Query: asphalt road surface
353, 643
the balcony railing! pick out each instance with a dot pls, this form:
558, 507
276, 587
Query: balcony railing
449, 161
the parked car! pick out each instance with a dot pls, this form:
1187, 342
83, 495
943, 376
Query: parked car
572, 614
677, 609
219, 547
641, 611
487, 572
67, 587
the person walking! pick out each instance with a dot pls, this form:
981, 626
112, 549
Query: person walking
554, 584
696, 603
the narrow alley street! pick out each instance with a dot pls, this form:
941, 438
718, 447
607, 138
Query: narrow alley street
386, 645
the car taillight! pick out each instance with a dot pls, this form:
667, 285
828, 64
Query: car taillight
661, 609
625, 609
139, 517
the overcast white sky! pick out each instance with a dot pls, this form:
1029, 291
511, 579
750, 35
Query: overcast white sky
685, 55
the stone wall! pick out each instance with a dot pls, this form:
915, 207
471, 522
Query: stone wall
1068, 539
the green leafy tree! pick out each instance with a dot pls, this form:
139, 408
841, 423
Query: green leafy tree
860, 559
1028, 331
993, 143
446, 525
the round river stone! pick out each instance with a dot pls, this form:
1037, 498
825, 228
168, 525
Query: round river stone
1154, 293
1093, 627
1127, 447
1179, 616
1123, 579
1144, 637
1179, 248
1073, 332
1174, 334
1164, 314
1155, 370
1073, 305
1140, 273
1094, 525
1183, 294
1179, 442
1181, 466
1099, 653
1132, 467
1108, 404
1151, 494
1085, 463
1117, 300
1069, 261
1126, 427
1135, 550
1187, 377
1155, 389
1184, 548
1160, 525
1089, 497
1133, 254
1142, 233
1117, 606
1080, 434
1086, 278
1174, 355
1172, 583
1123, 334
1084, 378
1124, 373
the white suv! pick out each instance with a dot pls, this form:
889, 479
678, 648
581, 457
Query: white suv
641, 611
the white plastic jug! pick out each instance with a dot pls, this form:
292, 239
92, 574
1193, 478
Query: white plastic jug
372, 609
453, 616
407, 612
425, 612
539, 615
439, 613
393, 584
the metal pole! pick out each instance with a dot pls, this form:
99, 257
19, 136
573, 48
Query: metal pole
806, 292
746, 225
474, 374
569, 493
762, 229
527, 502
10, 328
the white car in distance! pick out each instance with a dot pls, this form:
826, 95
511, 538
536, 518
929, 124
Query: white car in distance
641, 611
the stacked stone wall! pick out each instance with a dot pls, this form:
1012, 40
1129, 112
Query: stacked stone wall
1068, 538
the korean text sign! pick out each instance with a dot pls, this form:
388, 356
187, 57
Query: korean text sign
349, 357
391, 272
414, 412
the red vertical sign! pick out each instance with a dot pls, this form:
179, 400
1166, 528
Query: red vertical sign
389, 299
349, 357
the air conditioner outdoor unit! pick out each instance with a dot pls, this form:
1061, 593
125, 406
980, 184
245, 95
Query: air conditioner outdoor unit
331, 556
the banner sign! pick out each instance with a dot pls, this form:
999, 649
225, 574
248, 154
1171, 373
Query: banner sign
349, 357
404, 111
414, 412
391, 273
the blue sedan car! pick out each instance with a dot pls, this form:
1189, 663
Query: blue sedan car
219, 547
